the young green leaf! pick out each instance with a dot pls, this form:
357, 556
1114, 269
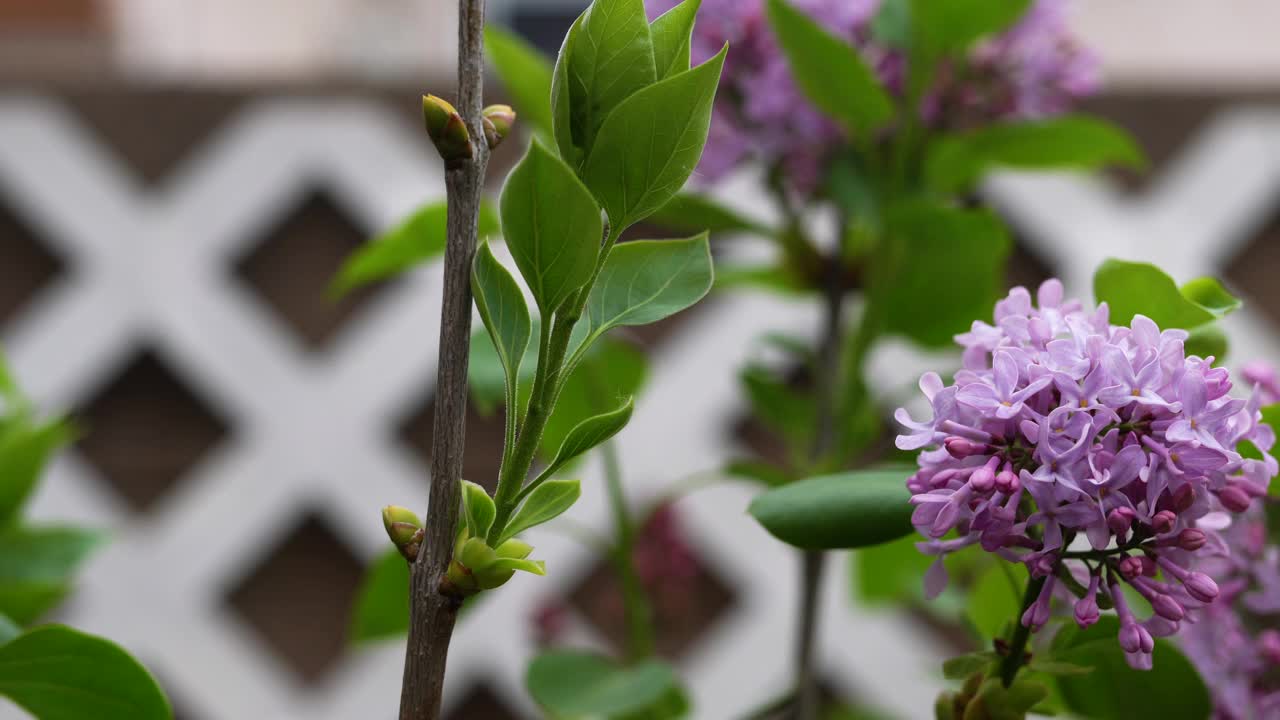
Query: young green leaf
962, 666
956, 163
672, 32
607, 57
609, 371
25, 449
552, 227
995, 599
545, 503
846, 510
945, 269
56, 673
944, 27
1207, 341
577, 684
526, 75
8, 629
1171, 689
889, 573
478, 508
1133, 288
9, 391
651, 142
382, 602
37, 566
830, 71
781, 408
419, 238
693, 212
1208, 293
590, 433
505, 315
645, 281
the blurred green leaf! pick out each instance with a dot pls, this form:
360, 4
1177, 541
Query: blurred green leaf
650, 144
37, 567
56, 673
847, 510
830, 71
576, 685
672, 32
945, 27
956, 163
419, 238
779, 407
995, 600
25, 448
382, 602
1208, 293
526, 76
1207, 341
962, 666
1136, 288
763, 472
770, 278
944, 268
694, 213
889, 573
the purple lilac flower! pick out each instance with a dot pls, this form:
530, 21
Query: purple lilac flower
1065, 434
1033, 70
1233, 645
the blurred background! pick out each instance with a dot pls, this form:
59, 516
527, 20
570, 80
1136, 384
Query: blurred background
179, 180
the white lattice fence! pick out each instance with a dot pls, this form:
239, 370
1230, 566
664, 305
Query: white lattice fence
313, 432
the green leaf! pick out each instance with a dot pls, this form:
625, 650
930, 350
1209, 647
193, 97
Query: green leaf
1171, 689
606, 59
590, 433
847, 510
526, 75
956, 163
545, 503
382, 602
1208, 293
780, 407
8, 629
645, 281
9, 391
943, 269
693, 212
535, 567
25, 449
37, 567
770, 278
943, 27
505, 315
891, 25
1055, 667
760, 471
830, 71
479, 508
1135, 288
572, 685
962, 666
419, 238
650, 144
1207, 341
890, 573
671, 33
609, 372
552, 227
995, 600
56, 673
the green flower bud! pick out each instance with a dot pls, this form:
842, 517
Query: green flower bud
405, 530
447, 131
497, 120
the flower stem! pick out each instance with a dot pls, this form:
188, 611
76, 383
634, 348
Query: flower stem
1021, 634
636, 607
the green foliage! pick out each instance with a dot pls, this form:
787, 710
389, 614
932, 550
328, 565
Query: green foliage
418, 239
382, 602
779, 407
56, 673
830, 71
26, 445
853, 509
505, 315
890, 572
37, 567
609, 372
545, 502
1135, 288
8, 629
645, 281
942, 268
995, 600
552, 227
649, 145
955, 163
526, 75
962, 666
478, 509
694, 212
577, 685
672, 33
590, 433
949, 27
1114, 691
607, 57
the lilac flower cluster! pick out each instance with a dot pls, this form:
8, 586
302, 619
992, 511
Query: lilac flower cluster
1033, 70
1096, 454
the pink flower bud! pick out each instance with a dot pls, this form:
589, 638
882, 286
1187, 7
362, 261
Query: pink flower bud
1134, 638
1183, 498
1191, 539
1201, 586
1163, 522
1149, 567
1007, 481
1234, 498
961, 448
1269, 646
1131, 567
1167, 608
1120, 520
984, 478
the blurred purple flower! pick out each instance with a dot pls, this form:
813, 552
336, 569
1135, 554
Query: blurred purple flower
1062, 425
1033, 70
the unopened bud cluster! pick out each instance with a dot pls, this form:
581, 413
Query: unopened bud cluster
448, 131
1064, 426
